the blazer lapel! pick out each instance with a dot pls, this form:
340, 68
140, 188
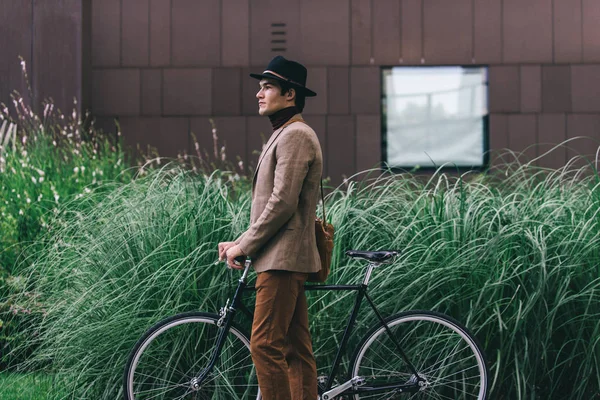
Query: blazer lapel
295, 118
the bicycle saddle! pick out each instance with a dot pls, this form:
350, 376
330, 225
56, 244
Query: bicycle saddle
374, 256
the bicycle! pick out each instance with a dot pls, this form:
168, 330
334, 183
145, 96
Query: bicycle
413, 354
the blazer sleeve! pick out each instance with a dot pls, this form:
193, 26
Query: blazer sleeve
294, 155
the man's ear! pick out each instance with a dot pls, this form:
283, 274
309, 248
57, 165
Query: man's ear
291, 94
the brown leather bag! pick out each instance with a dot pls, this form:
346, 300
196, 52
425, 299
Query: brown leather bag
324, 233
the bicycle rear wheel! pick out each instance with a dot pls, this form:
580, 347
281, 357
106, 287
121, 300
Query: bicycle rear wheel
444, 353
168, 358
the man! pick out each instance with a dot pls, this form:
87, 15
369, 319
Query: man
281, 237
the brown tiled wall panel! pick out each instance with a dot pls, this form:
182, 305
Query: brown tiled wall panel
591, 30
205, 49
263, 13
57, 70
201, 132
106, 33
585, 88
258, 132
368, 142
567, 31
134, 30
325, 27
196, 33
411, 32
151, 97
522, 136
15, 40
226, 89
588, 127
106, 124
498, 140
231, 132
235, 49
556, 88
551, 131
116, 92
361, 32
338, 90
365, 90
169, 135
504, 89
531, 88
341, 147
160, 33
249, 90
319, 124
187, 91
317, 82
386, 31
487, 37
448, 27
527, 31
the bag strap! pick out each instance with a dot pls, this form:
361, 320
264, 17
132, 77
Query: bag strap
300, 119
323, 200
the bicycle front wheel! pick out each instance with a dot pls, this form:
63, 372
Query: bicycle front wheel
448, 359
167, 360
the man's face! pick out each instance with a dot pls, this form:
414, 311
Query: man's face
270, 99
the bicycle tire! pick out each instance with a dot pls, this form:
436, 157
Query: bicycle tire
442, 350
166, 359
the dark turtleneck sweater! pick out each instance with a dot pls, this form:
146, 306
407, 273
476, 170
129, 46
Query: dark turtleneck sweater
282, 116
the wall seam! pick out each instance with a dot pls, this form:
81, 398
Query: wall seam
501, 31
121, 33
170, 33
141, 110
422, 31
472, 31
553, 32
581, 32
220, 34
32, 76
537, 137
566, 136
400, 49
249, 51
149, 32
372, 29
349, 38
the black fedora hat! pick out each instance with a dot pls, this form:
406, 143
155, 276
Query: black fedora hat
291, 72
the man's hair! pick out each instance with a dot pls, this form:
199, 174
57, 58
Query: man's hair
300, 97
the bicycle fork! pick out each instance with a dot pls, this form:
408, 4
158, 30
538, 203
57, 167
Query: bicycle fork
226, 314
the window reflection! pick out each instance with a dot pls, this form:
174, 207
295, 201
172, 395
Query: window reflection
435, 115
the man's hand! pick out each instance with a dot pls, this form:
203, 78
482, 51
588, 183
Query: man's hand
223, 247
233, 252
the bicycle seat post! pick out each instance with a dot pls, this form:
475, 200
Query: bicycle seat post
370, 268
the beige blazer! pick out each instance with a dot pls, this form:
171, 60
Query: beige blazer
285, 192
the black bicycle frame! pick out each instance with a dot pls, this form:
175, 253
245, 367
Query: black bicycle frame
362, 293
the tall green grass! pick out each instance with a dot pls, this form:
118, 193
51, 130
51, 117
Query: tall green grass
516, 258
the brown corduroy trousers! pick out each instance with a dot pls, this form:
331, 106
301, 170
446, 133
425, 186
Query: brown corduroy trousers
281, 345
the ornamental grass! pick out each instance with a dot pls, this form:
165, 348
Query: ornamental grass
513, 253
